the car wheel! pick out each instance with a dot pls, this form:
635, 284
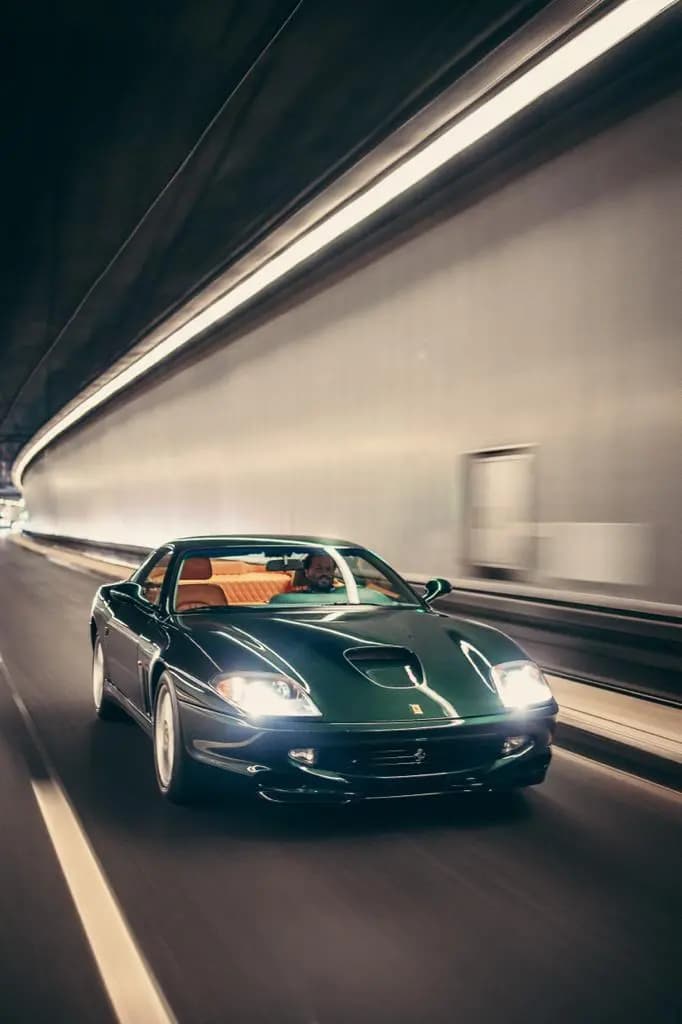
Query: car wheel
105, 708
174, 771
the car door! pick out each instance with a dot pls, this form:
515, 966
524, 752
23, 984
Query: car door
135, 622
153, 639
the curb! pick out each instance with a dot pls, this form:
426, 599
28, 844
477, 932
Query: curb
632, 760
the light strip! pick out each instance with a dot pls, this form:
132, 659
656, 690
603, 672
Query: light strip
573, 56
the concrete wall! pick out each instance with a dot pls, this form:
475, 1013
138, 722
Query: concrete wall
548, 314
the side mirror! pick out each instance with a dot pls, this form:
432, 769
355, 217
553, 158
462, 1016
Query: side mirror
436, 588
129, 589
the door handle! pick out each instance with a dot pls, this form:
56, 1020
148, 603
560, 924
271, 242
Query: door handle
106, 631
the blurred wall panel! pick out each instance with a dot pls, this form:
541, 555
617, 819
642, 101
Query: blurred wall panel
547, 315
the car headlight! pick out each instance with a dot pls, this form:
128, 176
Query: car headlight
266, 694
521, 684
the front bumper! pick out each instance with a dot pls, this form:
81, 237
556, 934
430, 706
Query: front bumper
356, 762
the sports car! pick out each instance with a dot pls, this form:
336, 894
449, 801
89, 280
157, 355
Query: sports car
306, 669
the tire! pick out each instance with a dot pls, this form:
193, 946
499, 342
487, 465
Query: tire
105, 708
175, 774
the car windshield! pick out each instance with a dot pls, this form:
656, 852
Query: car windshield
281, 576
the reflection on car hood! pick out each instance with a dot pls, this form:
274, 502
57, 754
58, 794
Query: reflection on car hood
366, 664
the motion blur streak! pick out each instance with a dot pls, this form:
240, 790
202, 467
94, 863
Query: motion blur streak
562, 906
131, 987
570, 58
134, 995
490, 328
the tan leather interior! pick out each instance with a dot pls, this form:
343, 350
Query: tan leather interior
237, 582
253, 588
198, 595
197, 569
227, 567
221, 582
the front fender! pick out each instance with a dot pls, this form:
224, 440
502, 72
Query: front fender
191, 690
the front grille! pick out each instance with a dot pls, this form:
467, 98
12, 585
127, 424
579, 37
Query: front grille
418, 757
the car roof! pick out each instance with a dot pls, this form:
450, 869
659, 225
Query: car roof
188, 543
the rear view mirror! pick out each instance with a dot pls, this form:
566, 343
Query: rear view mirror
436, 588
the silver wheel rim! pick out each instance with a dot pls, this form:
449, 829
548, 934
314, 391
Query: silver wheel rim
164, 739
98, 676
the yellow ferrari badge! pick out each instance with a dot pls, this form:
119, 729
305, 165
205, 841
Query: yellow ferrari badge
416, 709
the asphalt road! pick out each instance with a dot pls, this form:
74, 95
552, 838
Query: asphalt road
564, 905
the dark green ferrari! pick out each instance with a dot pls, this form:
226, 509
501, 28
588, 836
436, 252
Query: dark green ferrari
306, 669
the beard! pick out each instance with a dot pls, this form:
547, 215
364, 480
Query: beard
321, 583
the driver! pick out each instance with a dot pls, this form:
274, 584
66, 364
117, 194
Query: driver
319, 574
318, 571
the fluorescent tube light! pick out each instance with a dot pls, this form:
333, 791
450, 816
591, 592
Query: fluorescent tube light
566, 60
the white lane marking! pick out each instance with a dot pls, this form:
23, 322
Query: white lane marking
134, 993
634, 780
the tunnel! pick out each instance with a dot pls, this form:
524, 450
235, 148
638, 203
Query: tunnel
340, 494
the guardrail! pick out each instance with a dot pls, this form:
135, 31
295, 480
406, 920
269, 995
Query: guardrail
94, 547
634, 652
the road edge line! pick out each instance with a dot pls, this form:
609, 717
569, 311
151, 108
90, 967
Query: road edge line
129, 982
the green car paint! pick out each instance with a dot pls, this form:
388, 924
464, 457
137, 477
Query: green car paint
454, 658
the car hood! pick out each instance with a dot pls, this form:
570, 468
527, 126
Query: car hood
364, 664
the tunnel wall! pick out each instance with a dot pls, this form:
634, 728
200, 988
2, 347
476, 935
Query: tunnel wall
546, 315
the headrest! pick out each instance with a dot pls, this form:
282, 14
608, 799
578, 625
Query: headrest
196, 595
196, 569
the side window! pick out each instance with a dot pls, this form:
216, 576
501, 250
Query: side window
152, 582
368, 575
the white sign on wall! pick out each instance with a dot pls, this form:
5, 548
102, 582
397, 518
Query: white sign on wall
501, 489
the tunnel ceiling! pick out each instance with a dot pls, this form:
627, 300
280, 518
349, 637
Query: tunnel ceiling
151, 144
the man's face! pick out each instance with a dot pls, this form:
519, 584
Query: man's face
320, 572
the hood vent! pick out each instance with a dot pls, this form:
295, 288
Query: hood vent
394, 667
